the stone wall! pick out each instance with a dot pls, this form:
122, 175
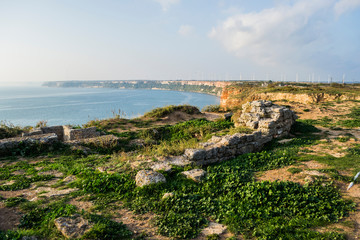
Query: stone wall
267, 119
65, 133
9, 145
77, 134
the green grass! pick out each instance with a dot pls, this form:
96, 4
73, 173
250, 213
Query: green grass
229, 194
294, 170
212, 108
163, 111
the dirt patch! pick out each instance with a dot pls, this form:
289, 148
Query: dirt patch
81, 205
333, 110
9, 218
139, 224
283, 174
331, 146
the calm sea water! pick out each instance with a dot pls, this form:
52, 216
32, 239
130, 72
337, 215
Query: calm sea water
25, 106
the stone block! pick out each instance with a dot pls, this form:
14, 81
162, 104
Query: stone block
147, 177
195, 174
195, 154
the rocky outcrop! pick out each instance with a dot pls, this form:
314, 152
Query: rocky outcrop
147, 177
233, 97
72, 227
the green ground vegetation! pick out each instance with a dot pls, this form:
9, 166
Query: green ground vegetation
229, 194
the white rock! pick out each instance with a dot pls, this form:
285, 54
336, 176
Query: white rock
147, 177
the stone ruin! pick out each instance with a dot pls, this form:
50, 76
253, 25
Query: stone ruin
269, 118
65, 133
46, 135
268, 121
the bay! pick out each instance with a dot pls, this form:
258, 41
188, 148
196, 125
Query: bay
25, 106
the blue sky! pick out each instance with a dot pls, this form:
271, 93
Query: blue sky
42, 40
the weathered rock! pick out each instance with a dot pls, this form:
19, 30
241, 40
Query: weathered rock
10, 144
195, 154
214, 228
167, 195
161, 166
147, 177
72, 227
195, 174
267, 117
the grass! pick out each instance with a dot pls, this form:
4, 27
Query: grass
229, 194
163, 111
294, 170
212, 108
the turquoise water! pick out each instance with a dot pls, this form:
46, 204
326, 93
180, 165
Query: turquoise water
25, 106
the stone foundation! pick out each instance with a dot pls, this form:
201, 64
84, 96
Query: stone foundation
65, 133
267, 119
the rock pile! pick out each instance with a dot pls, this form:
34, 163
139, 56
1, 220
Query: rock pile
270, 119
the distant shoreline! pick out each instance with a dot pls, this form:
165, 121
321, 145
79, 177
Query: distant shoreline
207, 87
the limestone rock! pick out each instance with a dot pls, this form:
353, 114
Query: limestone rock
267, 117
195, 154
163, 166
147, 177
72, 227
214, 228
167, 195
195, 174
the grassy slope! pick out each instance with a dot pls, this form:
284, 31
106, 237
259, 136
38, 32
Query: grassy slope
229, 194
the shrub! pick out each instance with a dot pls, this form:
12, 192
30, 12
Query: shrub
211, 108
163, 111
8, 130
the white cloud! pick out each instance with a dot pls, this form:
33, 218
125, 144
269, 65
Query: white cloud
165, 4
186, 30
345, 5
274, 35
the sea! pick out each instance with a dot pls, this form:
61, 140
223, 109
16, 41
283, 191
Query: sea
27, 105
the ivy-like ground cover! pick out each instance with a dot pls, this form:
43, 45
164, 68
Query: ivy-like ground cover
229, 194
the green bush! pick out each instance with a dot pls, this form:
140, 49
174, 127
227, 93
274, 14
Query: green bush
163, 111
8, 130
211, 108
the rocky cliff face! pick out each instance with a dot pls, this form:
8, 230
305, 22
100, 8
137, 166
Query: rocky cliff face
234, 97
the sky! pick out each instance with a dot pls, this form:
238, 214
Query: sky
305, 40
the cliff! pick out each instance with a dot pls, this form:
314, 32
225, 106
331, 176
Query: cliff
235, 96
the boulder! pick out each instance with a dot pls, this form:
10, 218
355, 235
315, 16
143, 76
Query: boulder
214, 228
167, 195
72, 227
195, 174
147, 177
162, 166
